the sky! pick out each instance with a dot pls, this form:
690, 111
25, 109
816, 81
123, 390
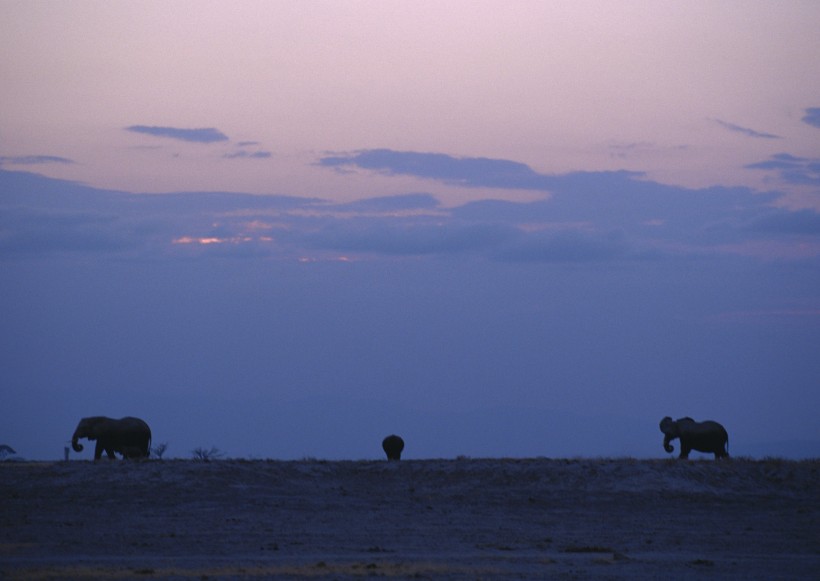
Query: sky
288, 229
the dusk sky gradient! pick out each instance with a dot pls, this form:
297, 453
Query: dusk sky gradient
288, 229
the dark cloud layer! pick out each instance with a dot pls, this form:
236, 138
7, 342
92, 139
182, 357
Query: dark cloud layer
202, 135
812, 116
412, 238
29, 232
34, 159
248, 155
792, 169
396, 203
589, 216
745, 130
461, 171
803, 222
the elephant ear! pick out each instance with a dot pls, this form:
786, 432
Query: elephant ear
94, 424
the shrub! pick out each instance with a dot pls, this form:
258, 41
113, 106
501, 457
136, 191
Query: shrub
206, 454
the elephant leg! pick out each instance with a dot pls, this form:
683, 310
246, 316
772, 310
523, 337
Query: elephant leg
109, 451
684, 452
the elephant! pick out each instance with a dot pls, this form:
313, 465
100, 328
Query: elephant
393, 446
706, 436
130, 437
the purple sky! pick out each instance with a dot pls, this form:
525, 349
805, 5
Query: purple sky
288, 229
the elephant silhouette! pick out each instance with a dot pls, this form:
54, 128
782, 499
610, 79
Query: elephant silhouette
708, 436
393, 446
130, 437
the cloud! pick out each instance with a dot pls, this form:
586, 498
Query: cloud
410, 237
33, 159
248, 155
626, 150
389, 204
28, 189
45, 215
637, 149
621, 200
568, 247
780, 161
478, 172
812, 116
589, 217
803, 222
792, 169
609, 200
27, 231
202, 135
745, 130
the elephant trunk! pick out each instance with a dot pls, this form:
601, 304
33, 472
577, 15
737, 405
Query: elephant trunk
75, 442
666, 445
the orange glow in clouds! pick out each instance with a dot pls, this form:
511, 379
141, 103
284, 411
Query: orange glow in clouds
215, 240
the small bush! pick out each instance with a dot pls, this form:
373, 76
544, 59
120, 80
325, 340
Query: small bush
159, 449
207, 454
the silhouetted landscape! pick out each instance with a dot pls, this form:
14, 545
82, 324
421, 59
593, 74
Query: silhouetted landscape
438, 519
567, 252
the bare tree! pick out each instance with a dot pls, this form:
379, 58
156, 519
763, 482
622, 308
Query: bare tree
206, 455
159, 449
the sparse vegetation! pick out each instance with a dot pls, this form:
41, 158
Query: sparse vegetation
703, 563
159, 449
207, 454
468, 519
588, 549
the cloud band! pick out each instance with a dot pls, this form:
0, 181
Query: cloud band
201, 135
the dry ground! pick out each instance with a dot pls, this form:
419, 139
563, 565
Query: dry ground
437, 519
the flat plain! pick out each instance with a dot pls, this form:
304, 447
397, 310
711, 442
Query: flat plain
436, 519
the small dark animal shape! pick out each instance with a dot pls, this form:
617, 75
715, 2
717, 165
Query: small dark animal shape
392, 446
6, 450
706, 436
130, 437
